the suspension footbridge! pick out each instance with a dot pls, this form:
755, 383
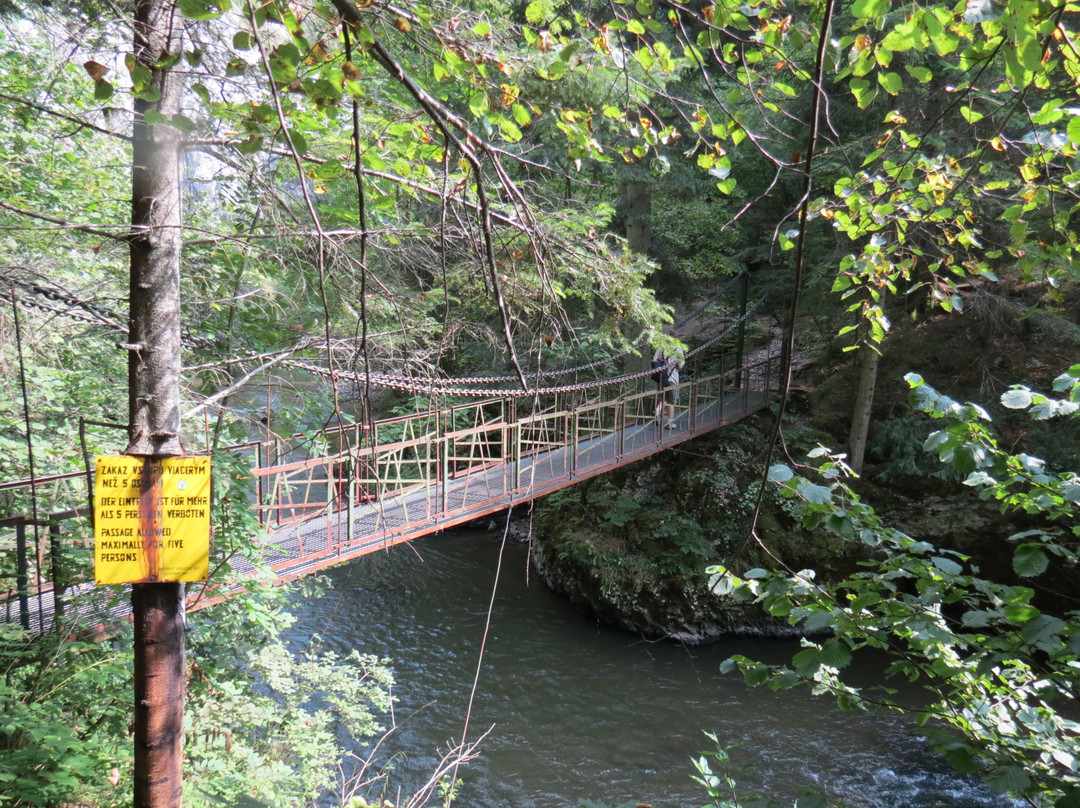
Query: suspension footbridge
472, 450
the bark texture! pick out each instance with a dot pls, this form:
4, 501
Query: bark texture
864, 403
159, 694
154, 362
154, 392
638, 199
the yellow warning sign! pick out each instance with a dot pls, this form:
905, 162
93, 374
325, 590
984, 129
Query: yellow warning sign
151, 519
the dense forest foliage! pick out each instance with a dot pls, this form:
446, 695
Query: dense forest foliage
434, 189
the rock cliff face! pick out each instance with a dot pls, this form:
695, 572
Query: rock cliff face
632, 547
676, 608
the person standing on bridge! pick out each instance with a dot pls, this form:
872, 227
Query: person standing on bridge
667, 385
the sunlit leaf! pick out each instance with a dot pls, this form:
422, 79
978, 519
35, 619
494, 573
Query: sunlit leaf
1018, 398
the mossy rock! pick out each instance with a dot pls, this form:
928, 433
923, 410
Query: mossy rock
631, 547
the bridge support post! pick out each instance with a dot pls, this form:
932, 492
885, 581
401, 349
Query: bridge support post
740, 341
22, 574
350, 492
722, 393
619, 426
515, 440
56, 569
444, 471
573, 417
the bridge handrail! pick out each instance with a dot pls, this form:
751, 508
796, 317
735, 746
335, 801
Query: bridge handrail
322, 501
262, 447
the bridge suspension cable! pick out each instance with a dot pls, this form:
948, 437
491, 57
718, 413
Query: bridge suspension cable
574, 369
63, 303
451, 387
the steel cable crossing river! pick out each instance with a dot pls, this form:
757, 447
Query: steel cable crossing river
583, 712
462, 386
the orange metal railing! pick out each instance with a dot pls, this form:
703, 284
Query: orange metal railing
379, 483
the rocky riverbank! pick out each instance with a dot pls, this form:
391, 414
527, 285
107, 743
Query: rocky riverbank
631, 547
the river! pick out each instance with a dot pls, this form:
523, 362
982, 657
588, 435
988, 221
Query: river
579, 711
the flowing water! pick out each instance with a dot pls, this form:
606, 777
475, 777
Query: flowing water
579, 711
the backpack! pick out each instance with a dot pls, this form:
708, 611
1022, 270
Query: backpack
661, 374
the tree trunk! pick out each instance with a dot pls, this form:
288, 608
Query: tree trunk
159, 693
864, 402
638, 200
154, 361
154, 394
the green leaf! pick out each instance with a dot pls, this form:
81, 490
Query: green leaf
807, 662
919, 73
479, 104
947, 566
977, 478
521, 115
757, 675
183, 123
1008, 780
864, 600
1070, 800
1029, 560
970, 115
863, 91
1014, 68
251, 145
1042, 628
892, 82
1019, 398
103, 90
870, 8
203, 9
299, 142
835, 654
817, 622
727, 186
962, 760
1020, 613
1074, 129
779, 473
721, 584
1031, 54
813, 493
510, 131
150, 93
141, 75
